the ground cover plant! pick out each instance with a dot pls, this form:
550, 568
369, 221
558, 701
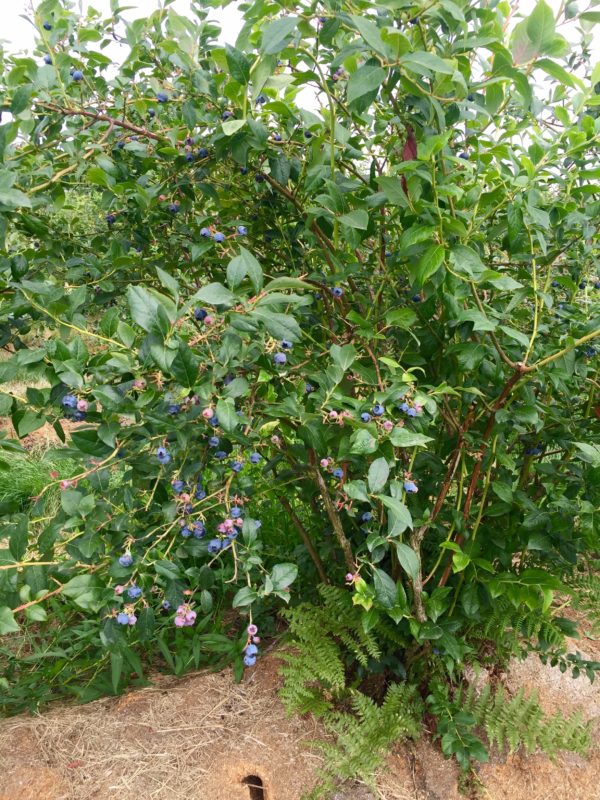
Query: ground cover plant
320, 308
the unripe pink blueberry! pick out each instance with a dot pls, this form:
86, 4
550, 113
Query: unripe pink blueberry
132, 619
208, 413
139, 383
65, 484
119, 589
388, 425
181, 609
256, 639
275, 439
190, 616
208, 320
238, 522
179, 622
82, 405
324, 462
221, 527
333, 415
252, 630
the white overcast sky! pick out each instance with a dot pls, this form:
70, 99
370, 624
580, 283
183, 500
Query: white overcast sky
18, 34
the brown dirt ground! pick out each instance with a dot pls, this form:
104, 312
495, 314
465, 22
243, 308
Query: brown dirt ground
200, 736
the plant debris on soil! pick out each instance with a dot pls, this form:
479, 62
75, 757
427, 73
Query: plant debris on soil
203, 736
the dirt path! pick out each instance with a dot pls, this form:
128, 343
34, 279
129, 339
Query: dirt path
201, 736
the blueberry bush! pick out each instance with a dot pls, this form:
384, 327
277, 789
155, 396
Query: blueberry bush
328, 314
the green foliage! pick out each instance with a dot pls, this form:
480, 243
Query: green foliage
370, 325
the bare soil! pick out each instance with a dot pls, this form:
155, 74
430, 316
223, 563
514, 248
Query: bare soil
202, 736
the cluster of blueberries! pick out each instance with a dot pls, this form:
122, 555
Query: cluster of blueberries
251, 650
280, 358
73, 408
219, 237
185, 616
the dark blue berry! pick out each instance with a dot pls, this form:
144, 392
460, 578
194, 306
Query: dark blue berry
47, 26
337, 291
200, 314
338, 473
365, 416
162, 97
255, 458
47, 59
203, 153
378, 410
126, 560
77, 75
280, 358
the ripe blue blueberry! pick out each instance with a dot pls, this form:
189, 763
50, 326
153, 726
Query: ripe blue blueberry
186, 532
123, 618
126, 560
261, 100
410, 486
120, 145
308, 388
378, 410
227, 115
173, 207
255, 458
237, 466
199, 529
163, 455
257, 523
259, 177
235, 512
242, 230
338, 473
134, 592
203, 153
412, 412
47, 59
280, 358
177, 486
162, 97
251, 650
307, 135
464, 156
243, 170
173, 408
404, 407
249, 661
597, 285
220, 455
214, 546
590, 351
276, 137
69, 401
199, 494
337, 291
366, 517
213, 441
214, 422
189, 157
416, 298
79, 416
77, 75
205, 232
200, 314
365, 417
219, 237
47, 26
151, 112
166, 605
111, 219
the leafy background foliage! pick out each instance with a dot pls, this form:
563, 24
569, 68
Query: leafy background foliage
397, 322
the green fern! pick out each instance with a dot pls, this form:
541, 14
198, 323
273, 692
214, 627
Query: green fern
510, 723
325, 639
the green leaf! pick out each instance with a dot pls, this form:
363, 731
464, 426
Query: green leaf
392, 188
116, 669
362, 443
277, 34
282, 575
281, 326
371, 33
460, 561
423, 60
589, 453
85, 591
401, 318
402, 518
402, 437
385, 588
343, 356
8, 624
467, 262
559, 73
185, 366
238, 64
429, 263
214, 294
242, 265
356, 219
287, 283
541, 26
244, 597
409, 560
226, 415
364, 84
146, 307
232, 126
379, 472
